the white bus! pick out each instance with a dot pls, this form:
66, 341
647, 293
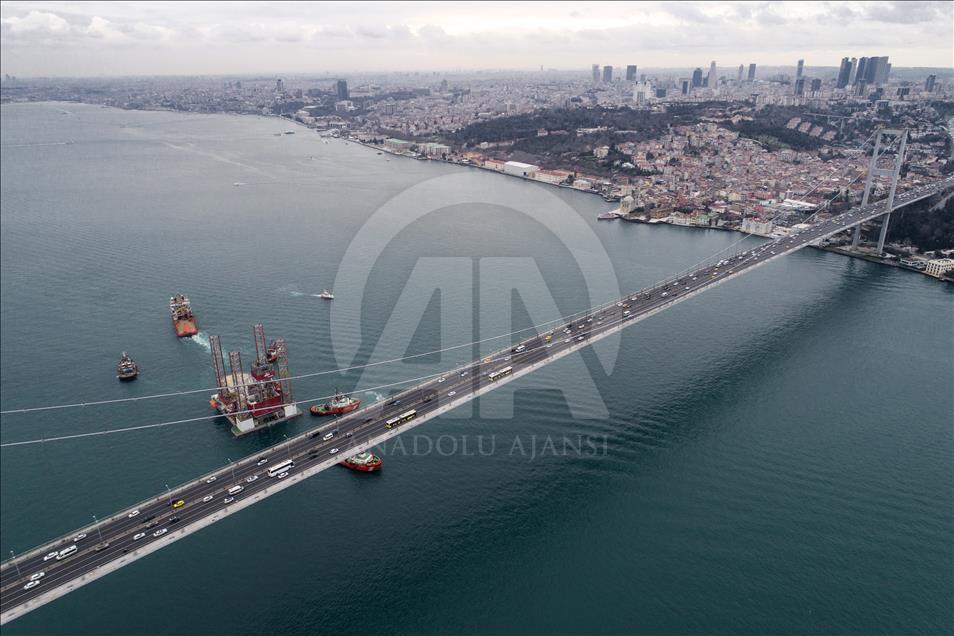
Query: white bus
496, 375
66, 552
407, 416
281, 467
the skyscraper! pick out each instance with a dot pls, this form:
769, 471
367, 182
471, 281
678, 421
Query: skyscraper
631, 73
738, 79
697, 78
711, 78
929, 83
341, 87
799, 69
844, 73
752, 72
877, 71
861, 73
279, 86
853, 70
684, 85
607, 74
596, 73
816, 85
800, 86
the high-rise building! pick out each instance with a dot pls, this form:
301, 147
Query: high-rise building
800, 86
844, 72
877, 71
816, 85
738, 79
341, 87
929, 83
862, 71
751, 72
631, 73
799, 69
697, 77
596, 73
711, 78
853, 70
279, 86
607, 74
684, 84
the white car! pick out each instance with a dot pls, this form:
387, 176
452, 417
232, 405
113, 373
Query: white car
567, 340
31, 585
580, 338
51, 555
262, 460
160, 532
249, 480
441, 379
139, 536
282, 475
228, 500
626, 313
38, 576
328, 436
463, 373
134, 513
452, 394
207, 499
334, 450
79, 537
210, 479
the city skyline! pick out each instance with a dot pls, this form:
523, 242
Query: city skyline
115, 39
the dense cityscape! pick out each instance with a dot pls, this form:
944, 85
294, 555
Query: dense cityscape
751, 148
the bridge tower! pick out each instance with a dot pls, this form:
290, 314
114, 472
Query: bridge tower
901, 136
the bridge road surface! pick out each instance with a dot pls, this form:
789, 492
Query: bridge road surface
206, 497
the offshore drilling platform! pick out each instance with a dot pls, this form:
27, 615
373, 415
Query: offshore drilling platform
258, 399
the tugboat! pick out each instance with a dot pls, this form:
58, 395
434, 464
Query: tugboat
182, 318
327, 295
127, 369
365, 462
338, 405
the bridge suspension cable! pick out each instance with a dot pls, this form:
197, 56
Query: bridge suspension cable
126, 429
537, 327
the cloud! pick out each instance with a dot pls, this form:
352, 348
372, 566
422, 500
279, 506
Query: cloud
37, 22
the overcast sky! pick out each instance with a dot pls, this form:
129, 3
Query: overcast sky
147, 38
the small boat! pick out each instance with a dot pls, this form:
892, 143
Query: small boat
127, 369
327, 295
365, 462
339, 405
